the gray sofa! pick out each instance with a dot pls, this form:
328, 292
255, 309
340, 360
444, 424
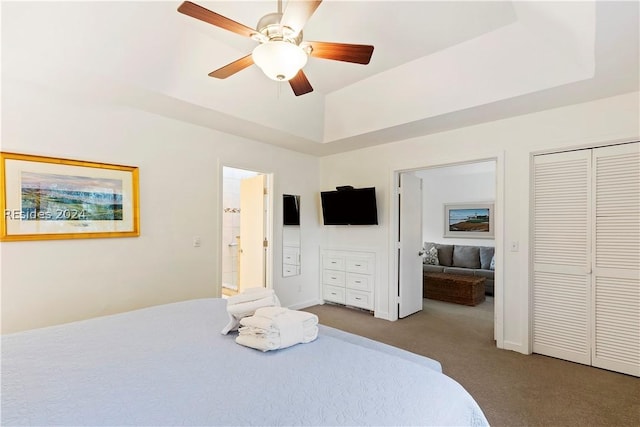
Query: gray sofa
460, 259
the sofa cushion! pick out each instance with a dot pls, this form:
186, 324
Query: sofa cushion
445, 254
492, 266
489, 274
486, 253
459, 270
428, 268
466, 256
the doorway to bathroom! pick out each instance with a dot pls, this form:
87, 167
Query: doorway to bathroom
244, 243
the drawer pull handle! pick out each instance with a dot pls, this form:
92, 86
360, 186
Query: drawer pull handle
358, 281
333, 277
333, 293
358, 298
358, 265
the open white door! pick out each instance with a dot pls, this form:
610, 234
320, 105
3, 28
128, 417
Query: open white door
252, 233
410, 247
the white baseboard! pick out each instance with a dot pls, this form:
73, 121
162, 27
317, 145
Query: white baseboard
306, 304
515, 346
382, 315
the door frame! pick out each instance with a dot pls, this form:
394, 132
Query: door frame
268, 231
394, 221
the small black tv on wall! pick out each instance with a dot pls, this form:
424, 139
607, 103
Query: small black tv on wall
349, 206
291, 209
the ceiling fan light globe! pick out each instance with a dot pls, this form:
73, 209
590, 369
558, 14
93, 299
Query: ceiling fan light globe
279, 60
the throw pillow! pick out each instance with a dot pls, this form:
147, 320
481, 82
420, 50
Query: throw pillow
445, 254
466, 256
492, 266
431, 256
486, 253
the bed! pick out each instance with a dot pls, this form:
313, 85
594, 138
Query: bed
170, 365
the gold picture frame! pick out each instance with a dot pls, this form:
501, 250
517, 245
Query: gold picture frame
47, 198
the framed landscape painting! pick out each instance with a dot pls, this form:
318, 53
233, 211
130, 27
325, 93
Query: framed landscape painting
469, 220
49, 198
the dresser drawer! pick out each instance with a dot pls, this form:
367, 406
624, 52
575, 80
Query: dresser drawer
361, 282
359, 265
333, 277
333, 262
359, 299
291, 255
333, 294
290, 270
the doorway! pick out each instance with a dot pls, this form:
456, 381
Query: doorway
456, 183
245, 252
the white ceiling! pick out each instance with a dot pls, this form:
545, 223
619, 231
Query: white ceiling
436, 65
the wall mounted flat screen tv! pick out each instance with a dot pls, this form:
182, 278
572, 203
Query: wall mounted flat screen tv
291, 209
352, 206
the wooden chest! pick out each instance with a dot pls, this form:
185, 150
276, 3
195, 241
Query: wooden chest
456, 288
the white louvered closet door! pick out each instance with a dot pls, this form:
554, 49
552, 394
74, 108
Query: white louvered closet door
561, 255
616, 272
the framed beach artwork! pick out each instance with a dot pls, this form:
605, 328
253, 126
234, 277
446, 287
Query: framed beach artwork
47, 198
469, 220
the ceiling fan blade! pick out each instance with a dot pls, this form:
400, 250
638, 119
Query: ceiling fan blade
232, 68
356, 53
300, 84
199, 12
298, 13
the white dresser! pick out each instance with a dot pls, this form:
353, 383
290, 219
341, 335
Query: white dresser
348, 277
290, 261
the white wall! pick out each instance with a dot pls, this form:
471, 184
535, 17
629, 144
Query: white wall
51, 282
512, 140
474, 182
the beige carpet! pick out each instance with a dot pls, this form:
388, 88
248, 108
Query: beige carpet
512, 389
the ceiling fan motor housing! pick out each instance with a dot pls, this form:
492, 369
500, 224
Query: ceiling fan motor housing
269, 26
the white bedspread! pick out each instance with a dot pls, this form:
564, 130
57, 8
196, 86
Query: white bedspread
169, 365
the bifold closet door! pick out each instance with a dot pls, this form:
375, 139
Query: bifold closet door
616, 267
586, 257
561, 256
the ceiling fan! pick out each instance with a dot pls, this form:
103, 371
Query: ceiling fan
282, 53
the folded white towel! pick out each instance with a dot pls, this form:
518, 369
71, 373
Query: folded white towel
276, 317
246, 303
248, 308
271, 328
257, 342
249, 294
308, 334
271, 343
